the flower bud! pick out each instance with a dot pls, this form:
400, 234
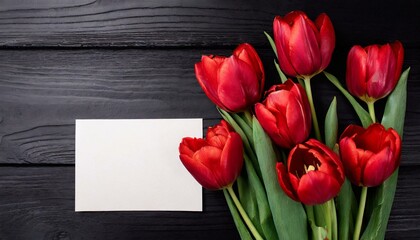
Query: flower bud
285, 114
304, 48
373, 72
215, 162
232, 83
369, 155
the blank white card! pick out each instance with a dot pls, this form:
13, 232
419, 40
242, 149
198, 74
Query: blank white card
131, 165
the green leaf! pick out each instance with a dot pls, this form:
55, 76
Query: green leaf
254, 200
265, 224
289, 216
346, 211
394, 116
228, 118
361, 112
247, 198
283, 77
244, 126
272, 43
318, 233
251, 191
301, 82
247, 145
240, 225
383, 196
322, 218
331, 124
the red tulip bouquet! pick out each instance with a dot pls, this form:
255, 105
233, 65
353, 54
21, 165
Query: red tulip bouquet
282, 177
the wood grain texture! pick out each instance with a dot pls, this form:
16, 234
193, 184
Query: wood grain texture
87, 23
62, 60
50, 89
43, 92
38, 203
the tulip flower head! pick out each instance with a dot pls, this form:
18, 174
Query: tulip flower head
304, 48
215, 162
370, 155
285, 114
373, 71
314, 173
232, 83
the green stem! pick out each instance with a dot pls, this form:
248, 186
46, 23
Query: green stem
240, 225
359, 219
248, 117
310, 212
333, 213
241, 210
311, 104
371, 107
328, 218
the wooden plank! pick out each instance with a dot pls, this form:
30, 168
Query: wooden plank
42, 92
38, 203
406, 204
87, 23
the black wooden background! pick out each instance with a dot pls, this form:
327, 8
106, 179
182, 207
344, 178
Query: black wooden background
62, 60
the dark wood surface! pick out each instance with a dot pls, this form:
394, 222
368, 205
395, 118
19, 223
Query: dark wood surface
62, 60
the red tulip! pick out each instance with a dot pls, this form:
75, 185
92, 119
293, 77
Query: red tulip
373, 71
304, 48
314, 173
232, 83
370, 155
285, 114
215, 162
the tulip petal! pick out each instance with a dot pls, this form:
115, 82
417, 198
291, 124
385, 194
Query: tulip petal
372, 138
247, 53
231, 159
398, 50
313, 175
370, 156
303, 46
379, 167
200, 172
351, 130
326, 39
381, 66
397, 146
189, 146
329, 161
296, 122
270, 124
306, 109
278, 103
238, 84
283, 178
211, 158
356, 71
217, 141
296, 159
206, 74
317, 187
281, 30
350, 159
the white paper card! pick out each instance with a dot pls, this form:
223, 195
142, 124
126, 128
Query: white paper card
130, 165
